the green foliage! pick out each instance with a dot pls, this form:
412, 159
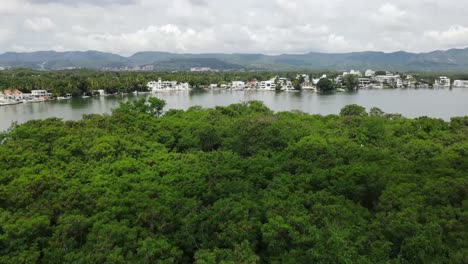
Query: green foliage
325, 85
234, 184
353, 110
350, 81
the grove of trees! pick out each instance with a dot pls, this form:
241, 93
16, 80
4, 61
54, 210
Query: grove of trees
235, 184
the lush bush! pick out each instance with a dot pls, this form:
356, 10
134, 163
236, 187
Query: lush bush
235, 184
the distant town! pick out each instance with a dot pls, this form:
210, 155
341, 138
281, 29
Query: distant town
351, 80
97, 85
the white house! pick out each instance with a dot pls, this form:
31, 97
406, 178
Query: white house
268, 85
13, 94
369, 73
39, 93
353, 72
101, 92
167, 86
442, 81
460, 83
237, 85
364, 82
285, 84
315, 81
389, 79
306, 79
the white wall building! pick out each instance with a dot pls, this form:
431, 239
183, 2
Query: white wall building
39, 93
237, 85
167, 86
306, 78
353, 72
442, 81
394, 80
268, 85
364, 82
315, 81
460, 83
369, 73
285, 84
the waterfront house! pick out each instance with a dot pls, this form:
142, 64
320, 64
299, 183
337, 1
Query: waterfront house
237, 85
315, 81
268, 85
460, 83
305, 78
364, 83
13, 95
442, 81
285, 84
101, 92
161, 85
389, 79
252, 85
39, 93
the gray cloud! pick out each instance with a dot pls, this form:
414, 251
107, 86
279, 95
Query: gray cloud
90, 2
267, 26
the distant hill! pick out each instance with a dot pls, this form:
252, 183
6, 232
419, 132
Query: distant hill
450, 60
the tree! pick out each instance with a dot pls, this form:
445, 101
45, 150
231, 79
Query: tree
156, 106
297, 82
350, 81
353, 110
325, 85
375, 111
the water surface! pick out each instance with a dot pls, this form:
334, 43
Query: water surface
439, 103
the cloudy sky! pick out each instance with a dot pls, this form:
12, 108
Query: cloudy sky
265, 26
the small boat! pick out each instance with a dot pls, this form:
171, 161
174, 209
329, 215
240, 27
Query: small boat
9, 102
35, 100
340, 90
68, 97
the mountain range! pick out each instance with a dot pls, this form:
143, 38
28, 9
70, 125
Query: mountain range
449, 60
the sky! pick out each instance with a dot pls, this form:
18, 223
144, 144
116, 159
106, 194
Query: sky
233, 26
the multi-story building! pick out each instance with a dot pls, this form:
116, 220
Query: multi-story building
167, 86
268, 85
364, 83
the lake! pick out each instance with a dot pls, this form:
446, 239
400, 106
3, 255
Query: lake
439, 103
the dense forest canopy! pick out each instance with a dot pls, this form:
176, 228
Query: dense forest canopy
79, 82
235, 184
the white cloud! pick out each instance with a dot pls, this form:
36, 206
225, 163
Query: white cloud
452, 37
39, 24
279, 26
390, 15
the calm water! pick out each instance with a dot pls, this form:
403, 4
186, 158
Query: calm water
440, 103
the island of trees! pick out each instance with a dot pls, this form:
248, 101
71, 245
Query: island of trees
235, 184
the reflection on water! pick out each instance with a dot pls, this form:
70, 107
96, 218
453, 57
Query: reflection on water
441, 103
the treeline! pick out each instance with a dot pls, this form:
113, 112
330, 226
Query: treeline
236, 184
79, 82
